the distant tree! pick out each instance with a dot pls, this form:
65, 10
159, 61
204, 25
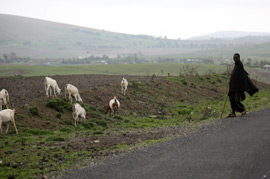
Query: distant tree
248, 62
5, 56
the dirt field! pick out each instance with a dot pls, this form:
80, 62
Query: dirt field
24, 90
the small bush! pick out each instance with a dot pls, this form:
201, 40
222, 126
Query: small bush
59, 105
46, 118
184, 82
33, 110
58, 115
55, 138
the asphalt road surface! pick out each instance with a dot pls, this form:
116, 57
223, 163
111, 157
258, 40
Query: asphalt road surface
234, 148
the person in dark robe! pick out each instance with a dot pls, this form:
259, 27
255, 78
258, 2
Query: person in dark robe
238, 85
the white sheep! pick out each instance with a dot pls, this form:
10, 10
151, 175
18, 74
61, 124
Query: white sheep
78, 113
72, 91
51, 84
4, 96
5, 116
114, 106
124, 85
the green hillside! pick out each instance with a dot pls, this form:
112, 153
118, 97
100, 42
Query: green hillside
40, 39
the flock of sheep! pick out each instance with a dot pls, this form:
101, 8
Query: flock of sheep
51, 86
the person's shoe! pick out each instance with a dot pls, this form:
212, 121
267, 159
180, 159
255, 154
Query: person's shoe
231, 115
244, 112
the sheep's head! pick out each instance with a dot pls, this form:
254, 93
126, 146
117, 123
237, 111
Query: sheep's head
58, 90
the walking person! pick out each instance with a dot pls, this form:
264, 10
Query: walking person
239, 83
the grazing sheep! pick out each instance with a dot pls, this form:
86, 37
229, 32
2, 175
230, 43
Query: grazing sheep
124, 85
4, 96
7, 115
113, 105
78, 113
72, 92
51, 84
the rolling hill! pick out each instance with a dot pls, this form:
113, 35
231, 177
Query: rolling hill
40, 39
229, 35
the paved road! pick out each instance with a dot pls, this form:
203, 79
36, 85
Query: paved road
235, 148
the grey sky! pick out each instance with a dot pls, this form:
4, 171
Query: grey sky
173, 18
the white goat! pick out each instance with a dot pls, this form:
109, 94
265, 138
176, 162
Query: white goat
4, 96
51, 84
124, 85
5, 116
72, 92
114, 106
78, 113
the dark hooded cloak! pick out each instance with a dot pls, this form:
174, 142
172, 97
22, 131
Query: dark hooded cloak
240, 81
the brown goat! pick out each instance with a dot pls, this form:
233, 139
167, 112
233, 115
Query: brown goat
113, 105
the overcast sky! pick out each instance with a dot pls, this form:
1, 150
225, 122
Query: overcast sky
171, 18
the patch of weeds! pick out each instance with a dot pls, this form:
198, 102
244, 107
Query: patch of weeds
150, 142
18, 116
121, 146
58, 115
67, 122
102, 123
55, 139
107, 118
135, 84
120, 117
88, 125
37, 131
59, 105
183, 111
33, 110
184, 82
46, 118
98, 133
65, 129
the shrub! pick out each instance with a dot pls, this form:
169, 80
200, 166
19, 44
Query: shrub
33, 110
184, 82
58, 115
59, 105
